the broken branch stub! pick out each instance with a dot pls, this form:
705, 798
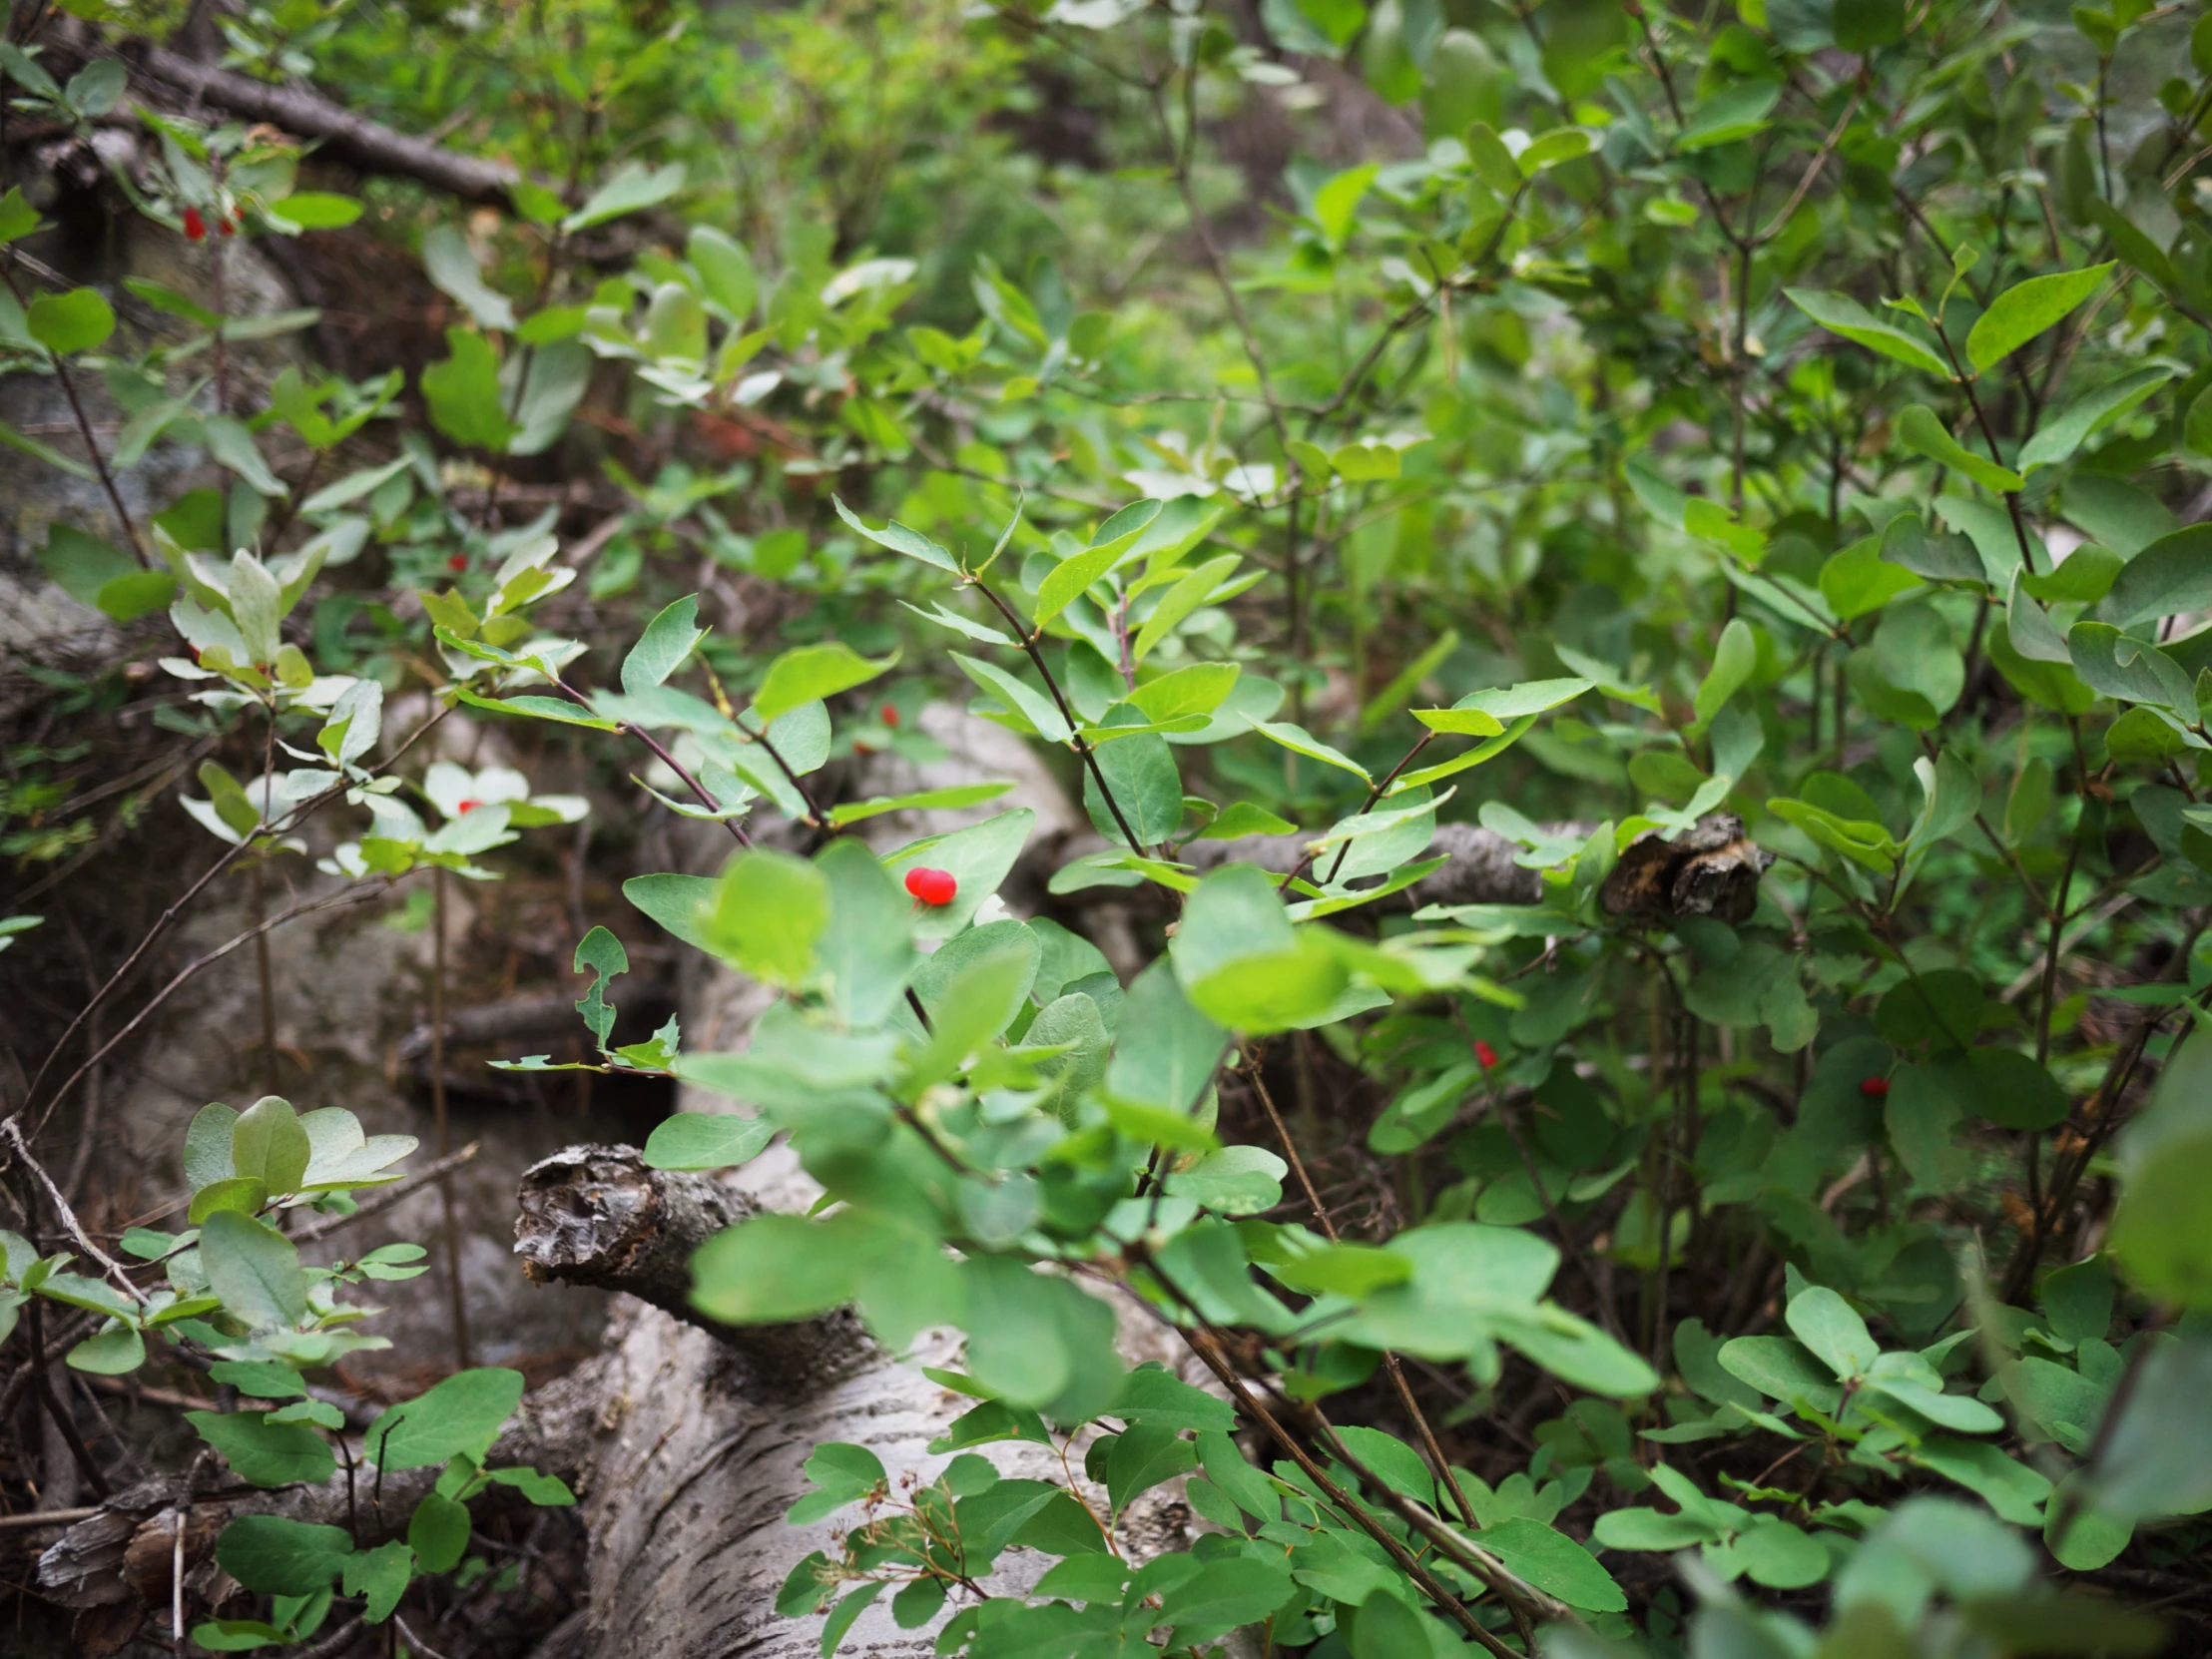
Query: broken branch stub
601, 1215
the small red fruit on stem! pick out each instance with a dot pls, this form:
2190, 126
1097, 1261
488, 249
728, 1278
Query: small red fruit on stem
891, 714
932, 886
1485, 1056
458, 561
195, 228
1874, 1088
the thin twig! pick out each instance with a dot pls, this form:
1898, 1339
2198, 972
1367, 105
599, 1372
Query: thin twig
91, 443
326, 1225
1412, 1406
12, 1132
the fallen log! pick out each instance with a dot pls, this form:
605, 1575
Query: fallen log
346, 135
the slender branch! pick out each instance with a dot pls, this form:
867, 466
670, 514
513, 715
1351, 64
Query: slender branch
91, 443
1989, 437
168, 919
1820, 160
1205, 1345
704, 797
1028, 644
1413, 1413
388, 1197
192, 968
1374, 795
457, 1301
72, 1435
11, 1131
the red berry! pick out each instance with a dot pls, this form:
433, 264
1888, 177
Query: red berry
891, 714
458, 561
195, 227
1874, 1088
462, 809
932, 886
1484, 1054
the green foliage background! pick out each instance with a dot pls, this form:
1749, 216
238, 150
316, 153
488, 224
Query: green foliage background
1579, 420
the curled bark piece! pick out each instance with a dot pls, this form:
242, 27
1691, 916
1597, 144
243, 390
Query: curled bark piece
354, 138
1712, 870
601, 1215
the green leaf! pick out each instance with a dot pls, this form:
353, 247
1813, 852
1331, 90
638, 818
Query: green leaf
1180, 601
319, 211
208, 1146
977, 857
265, 1454
1781, 1370
1172, 1067
1199, 689
1560, 145
1919, 432
46, 453
438, 1532
450, 263
1860, 580
1116, 537
381, 1577
2172, 575
1299, 742
1042, 715
463, 1413
268, 1144
108, 1352
254, 1269
2114, 664
1780, 1556
959, 795
706, 1140
1554, 1563
1737, 111
80, 320
18, 219
841, 1617
774, 1268
1733, 660
1847, 317
1243, 965
726, 271
1144, 780
263, 1378
668, 641
812, 674
2063, 433
769, 909
275, 1556
632, 187
899, 539
1825, 1323
1143, 1455
2012, 1489
463, 394
2025, 310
